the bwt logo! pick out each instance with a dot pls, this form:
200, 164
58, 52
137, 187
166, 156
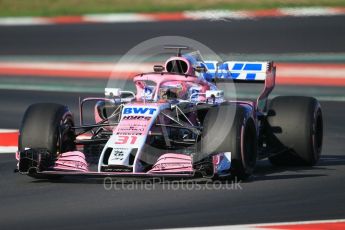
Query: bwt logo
134, 110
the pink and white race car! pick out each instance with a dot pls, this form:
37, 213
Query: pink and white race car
177, 124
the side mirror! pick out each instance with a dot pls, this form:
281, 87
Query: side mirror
214, 93
112, 92
119, 95
200, 69
158, 68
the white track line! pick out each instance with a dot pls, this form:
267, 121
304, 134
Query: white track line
8, 149
120, 17
217, 15
262, 225
186, 15
8, 130
22, 21
309, 11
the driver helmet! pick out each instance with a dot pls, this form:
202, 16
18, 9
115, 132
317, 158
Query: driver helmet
173, 90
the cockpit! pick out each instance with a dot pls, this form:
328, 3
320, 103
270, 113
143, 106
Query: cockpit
181, 77
169, 90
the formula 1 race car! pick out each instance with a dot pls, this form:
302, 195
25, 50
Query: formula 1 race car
177, 124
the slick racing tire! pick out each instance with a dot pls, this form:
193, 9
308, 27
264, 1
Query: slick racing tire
47, 126
295, 131
230, 128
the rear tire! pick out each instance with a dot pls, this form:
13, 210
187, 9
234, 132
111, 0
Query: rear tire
47, 126
230, 128
295, 130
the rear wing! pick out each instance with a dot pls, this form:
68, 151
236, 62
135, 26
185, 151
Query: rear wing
240, 71
244, 72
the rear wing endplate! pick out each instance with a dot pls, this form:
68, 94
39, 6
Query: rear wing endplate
244, 72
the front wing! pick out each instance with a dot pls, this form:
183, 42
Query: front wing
37, 163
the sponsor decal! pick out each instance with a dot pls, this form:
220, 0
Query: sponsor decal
164, 166
193, 92
135, 134
130, 129
139, 110
142, 118
114, 169
133, 125
148, 92
74, 164
118, 154
222, 162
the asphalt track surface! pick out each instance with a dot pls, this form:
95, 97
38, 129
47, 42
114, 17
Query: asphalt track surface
278, 35
273, 194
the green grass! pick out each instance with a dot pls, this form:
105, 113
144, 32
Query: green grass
77, 7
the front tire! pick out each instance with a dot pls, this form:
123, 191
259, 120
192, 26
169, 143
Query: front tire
47, 126
230, 128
